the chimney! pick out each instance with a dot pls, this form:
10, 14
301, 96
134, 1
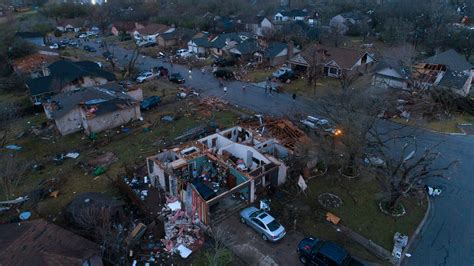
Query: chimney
45, 70
290, 49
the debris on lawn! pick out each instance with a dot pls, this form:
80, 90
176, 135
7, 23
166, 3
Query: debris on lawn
400, 242
13, 147
72, 155
25, 215
104, 160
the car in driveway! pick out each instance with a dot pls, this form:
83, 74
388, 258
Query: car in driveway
150, 102
262, 222
54, 46
314, 251
142, 77
290, 75
177, 78
320, 125
281, 71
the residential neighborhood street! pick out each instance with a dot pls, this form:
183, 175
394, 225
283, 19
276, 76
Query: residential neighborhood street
446, 239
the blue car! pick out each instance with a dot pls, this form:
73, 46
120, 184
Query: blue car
150, 102
263, 223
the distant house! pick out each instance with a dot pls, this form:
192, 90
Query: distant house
71, 25
125, 27
276, 53
92, 109
150, 32
391, 73
175, 37
35, 38
334, 61
39, 242
292, 15
244, 51
343, 22
64, 75
200, 45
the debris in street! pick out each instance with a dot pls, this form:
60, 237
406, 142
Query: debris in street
400, 242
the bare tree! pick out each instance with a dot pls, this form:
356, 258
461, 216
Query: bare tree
133, 60
354, 114
314, 72
12, 171
407, 169
8, 113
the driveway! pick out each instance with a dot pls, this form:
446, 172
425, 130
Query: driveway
251, 248
448, 236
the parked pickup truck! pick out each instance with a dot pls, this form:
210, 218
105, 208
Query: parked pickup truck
315, 251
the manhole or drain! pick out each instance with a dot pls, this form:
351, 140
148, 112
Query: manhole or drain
329, 200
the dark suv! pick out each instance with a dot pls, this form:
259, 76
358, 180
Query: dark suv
320, 252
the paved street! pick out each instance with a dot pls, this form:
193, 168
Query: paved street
448, 236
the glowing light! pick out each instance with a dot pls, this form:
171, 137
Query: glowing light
338, 132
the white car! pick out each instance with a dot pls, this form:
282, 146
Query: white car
145, 76
183, 53
280, 72
54, 46
83, 35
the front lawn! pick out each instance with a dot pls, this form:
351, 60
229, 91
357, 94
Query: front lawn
324, 87
258, 75
360, 210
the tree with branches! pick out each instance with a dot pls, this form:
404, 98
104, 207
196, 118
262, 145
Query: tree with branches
407, 168
12, 172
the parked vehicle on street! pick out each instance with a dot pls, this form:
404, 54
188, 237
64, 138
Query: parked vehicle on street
108, 55
263, 223
224, 73
161, 71
281, 71
320, 124
314, 251
54, 46
142, 77
89, 48
177, 78
150, 102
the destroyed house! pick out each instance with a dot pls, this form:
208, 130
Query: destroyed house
91, 109
65, 75
219, 174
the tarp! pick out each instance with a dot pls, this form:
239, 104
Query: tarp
174, 206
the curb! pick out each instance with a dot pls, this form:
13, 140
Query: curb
418, 229
433, 131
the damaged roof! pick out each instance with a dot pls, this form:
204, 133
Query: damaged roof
40, 242
454, 79
451, 59
107, 99
63, 72
343, 57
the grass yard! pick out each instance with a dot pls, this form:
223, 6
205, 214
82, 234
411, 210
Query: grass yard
445, 126
259, 75
324, 86
360, 210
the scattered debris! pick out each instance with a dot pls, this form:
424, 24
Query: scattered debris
13, 147
54, 194
332, 218
174, 206
25, 215
183, 251
400, 242
72, 155
103, 160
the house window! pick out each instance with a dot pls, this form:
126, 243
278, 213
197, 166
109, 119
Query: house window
334, 71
